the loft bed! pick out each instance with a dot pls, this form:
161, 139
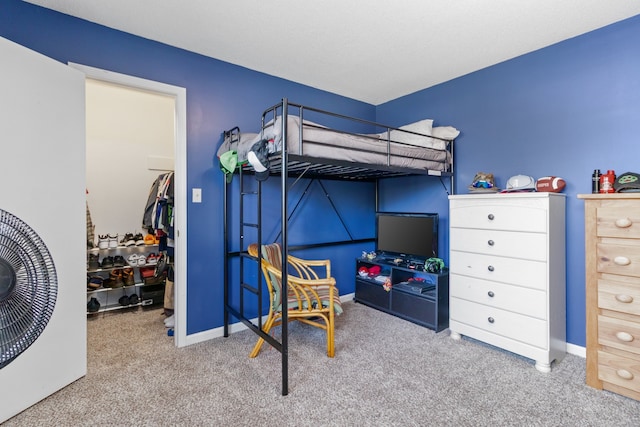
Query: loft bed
342, 148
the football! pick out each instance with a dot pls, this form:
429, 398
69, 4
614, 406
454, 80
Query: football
550, 184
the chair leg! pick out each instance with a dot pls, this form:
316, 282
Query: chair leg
331, 350
266, 328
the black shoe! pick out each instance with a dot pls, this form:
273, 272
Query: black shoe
107, 262
133, 299
124, 300
93, 305
93, 263
118, 261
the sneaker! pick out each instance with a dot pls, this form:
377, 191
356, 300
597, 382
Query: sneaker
103, 241
170, 322
93, 263
124, 300
118, 261
127, 277
113, 241
152, 259
149, 239
139, 239
107, 262
128, 240
142, 260
134, 299
132, 260
95, 282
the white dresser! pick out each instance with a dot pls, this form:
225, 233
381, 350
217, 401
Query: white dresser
507, 272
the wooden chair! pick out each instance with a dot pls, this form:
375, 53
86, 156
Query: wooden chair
312, 293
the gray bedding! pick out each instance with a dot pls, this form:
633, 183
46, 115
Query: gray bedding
324, 143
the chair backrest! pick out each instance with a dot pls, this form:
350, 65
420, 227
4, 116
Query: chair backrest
272, 257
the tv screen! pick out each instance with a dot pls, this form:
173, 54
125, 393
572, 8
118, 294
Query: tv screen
413, 235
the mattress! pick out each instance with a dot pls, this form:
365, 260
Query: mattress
319, 142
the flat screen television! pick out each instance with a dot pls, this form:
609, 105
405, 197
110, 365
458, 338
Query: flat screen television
407, 235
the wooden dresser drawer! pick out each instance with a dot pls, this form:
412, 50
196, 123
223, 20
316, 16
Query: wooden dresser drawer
498, 217
530, 274
501, 243
620, 221
618, 259
501, 322
530, 302
622, 371
618, 296
620, 334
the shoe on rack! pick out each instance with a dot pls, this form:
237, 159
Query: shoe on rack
94, 262
107, 262
124, 300
127, 277
134, 299
95, 282
170, 322
128, 240
118, 261
116, 278
93, 305
149, 239
113, 241
152, 259
132, 260
142, 260
139, 239
103, 241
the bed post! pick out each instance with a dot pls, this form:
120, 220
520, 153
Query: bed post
285, 251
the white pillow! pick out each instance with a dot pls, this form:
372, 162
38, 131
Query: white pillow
423, 127
445, 132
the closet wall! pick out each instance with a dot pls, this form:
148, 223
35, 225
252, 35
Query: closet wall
130, 141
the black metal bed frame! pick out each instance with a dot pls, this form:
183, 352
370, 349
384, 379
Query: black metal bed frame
288, 165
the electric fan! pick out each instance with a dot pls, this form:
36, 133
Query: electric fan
28, 287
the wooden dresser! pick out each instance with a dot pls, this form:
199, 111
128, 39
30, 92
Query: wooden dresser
612, 238
507, 272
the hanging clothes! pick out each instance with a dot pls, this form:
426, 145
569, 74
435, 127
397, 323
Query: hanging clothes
159, 210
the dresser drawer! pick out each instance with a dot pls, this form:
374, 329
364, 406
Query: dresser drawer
501, 243
530, 274
622, 371
618, 296
530, 302
619, 221
497, 216
620, 334
514, 326
618, 259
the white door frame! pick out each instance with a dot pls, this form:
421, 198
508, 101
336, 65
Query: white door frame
180, 184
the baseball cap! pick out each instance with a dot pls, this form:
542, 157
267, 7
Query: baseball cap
258, 158
628, 182
228, 163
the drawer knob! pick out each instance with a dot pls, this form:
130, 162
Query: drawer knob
624, 298
621, 260
491, 242
624, 336
490, 268
491, 294
623, 223
491, 217
491, 319
624, 374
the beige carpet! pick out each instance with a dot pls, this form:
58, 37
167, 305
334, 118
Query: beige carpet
387, 372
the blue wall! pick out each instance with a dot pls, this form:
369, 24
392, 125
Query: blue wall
563, 110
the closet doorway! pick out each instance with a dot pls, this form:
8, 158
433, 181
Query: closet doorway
136, 132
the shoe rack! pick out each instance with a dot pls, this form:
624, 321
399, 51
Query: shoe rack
116, 276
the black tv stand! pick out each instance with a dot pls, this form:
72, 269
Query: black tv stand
415, 294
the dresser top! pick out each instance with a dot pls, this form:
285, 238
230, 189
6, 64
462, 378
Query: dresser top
529, 195
610, 196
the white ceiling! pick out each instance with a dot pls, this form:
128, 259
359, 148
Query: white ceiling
369, 50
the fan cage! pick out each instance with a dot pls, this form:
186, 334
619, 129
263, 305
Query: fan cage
29, 289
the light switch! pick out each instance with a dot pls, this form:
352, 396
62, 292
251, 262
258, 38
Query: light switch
196, 195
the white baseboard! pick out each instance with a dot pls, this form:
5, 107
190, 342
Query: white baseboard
576, 350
